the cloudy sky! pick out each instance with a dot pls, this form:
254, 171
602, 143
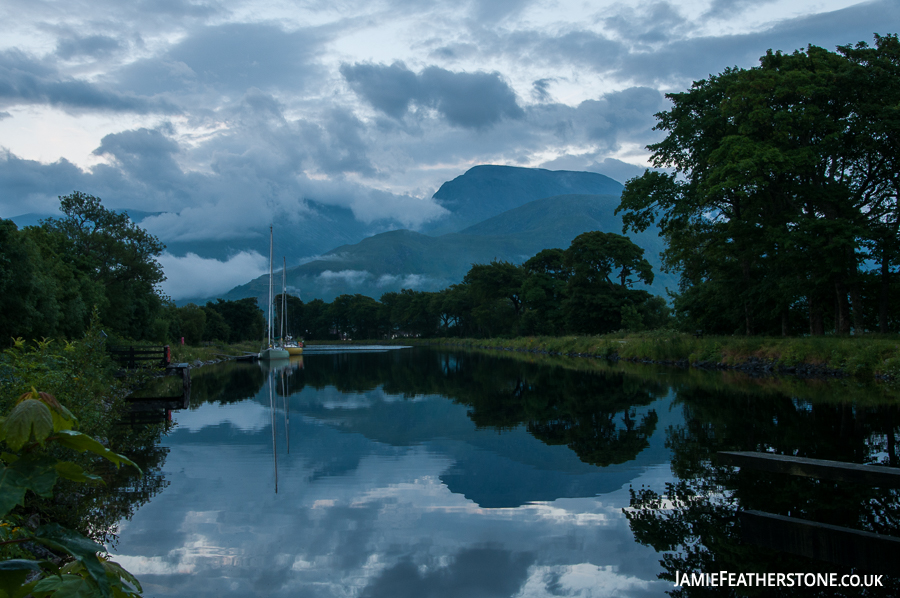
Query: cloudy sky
231, 113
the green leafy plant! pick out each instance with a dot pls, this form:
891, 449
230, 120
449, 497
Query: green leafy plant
36, 424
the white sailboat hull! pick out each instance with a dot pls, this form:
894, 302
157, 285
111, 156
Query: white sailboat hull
273, 354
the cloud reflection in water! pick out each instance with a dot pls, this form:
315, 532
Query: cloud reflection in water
358, 516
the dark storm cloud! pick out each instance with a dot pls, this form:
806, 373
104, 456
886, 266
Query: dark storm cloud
652, 45
24, 80
696, 58
145, 154
469, 100
593, 128
606, 122
539, 90
581, 47
472, 100
657, 22
30, 186
231, 57
495, 10
724, 9
262, 139
340, 146
93, 46
389, 89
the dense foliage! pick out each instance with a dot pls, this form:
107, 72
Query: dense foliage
586, 289
45, 558
52, 276
780, 211
227, 321
68, 502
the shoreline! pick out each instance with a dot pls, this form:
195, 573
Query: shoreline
752, 366
871, 357
863, 357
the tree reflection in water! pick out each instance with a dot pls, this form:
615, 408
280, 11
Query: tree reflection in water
603, 415
694, 521
594, 415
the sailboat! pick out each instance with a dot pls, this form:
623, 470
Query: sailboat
271, 352
290, 344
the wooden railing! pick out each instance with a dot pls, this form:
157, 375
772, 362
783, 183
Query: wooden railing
132, 357
860, 549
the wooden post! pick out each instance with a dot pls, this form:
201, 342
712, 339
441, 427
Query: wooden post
186, 385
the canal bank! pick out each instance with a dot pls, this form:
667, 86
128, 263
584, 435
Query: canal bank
865, 357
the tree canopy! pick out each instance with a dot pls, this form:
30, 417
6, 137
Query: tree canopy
782, 185
53, 276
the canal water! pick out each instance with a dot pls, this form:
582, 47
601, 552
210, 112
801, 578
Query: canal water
429, 473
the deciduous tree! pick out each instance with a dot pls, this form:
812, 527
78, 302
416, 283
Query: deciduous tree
780, 181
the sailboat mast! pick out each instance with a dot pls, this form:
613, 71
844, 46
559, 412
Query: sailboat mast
283, 297
269, 326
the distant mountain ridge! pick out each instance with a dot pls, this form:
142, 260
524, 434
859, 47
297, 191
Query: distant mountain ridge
488, 190
406, 259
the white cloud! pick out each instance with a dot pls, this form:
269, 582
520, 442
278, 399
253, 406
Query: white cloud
194, 276
247, 416
410, 281
584, 579
351, 277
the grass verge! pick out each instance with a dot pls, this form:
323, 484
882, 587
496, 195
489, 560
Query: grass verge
861, 356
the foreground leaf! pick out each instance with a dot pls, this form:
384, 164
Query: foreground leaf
74, 472
121, 575
11, 581
83, 549
30, 417
65, 586
36, 474
82, 442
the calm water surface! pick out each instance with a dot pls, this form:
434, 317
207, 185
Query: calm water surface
423, 473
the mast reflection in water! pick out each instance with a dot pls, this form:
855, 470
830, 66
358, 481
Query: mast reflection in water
432, 473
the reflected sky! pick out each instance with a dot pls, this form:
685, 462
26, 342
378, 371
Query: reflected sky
386, 495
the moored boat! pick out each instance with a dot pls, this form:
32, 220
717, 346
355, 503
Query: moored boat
271, 352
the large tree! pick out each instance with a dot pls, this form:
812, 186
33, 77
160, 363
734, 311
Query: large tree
28, 305
108, 249
779, 182
599, 297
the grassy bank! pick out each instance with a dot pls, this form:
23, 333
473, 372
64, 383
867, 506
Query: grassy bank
862, 356
212, 351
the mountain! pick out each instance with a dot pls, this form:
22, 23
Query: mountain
400, 259
480, 193
488, 190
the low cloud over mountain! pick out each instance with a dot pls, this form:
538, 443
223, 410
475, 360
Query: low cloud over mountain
232, 116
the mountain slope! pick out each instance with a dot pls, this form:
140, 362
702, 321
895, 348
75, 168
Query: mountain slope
406, 259
486, 191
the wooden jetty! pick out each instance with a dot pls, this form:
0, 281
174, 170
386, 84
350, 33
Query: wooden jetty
838, 471
132, 357
878, 553
154, 409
